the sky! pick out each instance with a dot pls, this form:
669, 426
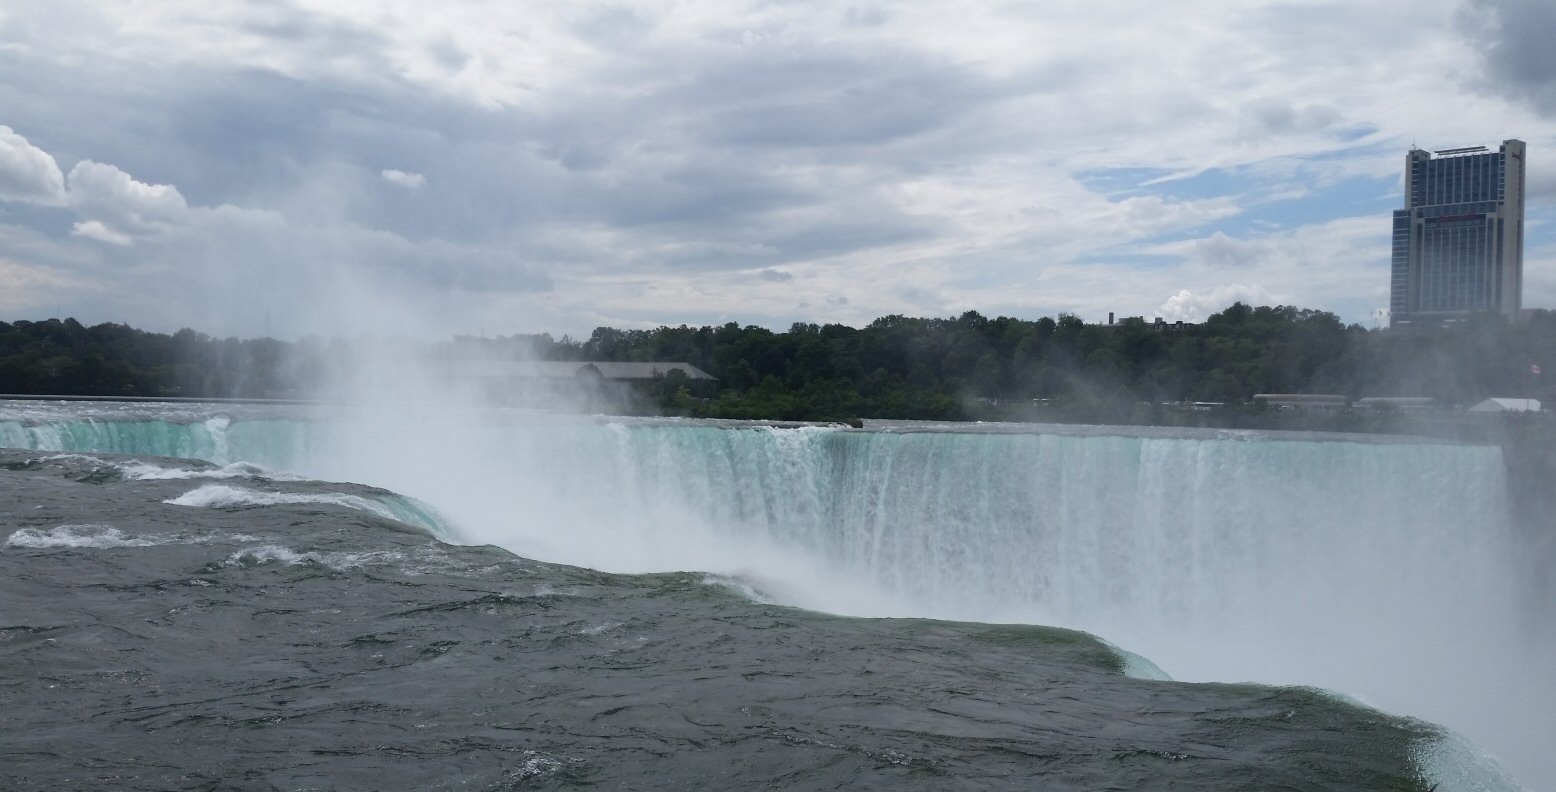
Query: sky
292, 167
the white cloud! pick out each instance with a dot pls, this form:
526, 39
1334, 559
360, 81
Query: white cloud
410, 181
94, 229
1190, 307
104, 191
1220, 250
27, 173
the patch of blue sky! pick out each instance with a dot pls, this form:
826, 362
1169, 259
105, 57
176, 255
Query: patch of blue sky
1118, 183
1272, 214
1295, 208
1277, 175
1539, 226
1539, 214
1274, 206
1284, 208
1132, 257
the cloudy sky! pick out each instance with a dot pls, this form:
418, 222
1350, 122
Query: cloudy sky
333, 166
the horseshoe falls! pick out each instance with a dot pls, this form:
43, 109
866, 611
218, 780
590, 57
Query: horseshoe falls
1386, 569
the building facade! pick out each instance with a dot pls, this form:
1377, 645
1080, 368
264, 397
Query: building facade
1459, 241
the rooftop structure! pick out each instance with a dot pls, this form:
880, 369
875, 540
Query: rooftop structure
1498, 405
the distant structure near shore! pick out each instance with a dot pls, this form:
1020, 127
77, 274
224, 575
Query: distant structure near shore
574, 383
1459, 241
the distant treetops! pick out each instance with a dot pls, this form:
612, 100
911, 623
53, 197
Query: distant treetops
895, 367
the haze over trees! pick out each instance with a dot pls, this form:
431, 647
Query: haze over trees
970, 366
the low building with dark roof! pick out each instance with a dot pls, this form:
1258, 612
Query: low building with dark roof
1303, 401
592, 385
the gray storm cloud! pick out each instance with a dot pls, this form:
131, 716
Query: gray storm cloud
1518, 42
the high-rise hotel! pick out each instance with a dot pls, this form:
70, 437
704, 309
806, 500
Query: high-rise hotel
1459, 241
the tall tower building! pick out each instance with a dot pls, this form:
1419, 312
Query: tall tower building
1459, 241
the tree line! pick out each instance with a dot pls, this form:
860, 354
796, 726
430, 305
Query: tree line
966, 367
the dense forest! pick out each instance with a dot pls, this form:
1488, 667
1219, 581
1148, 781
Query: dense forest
968, 367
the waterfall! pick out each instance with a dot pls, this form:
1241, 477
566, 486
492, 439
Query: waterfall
1384, 569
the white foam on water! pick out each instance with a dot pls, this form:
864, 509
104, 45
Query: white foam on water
1450, 763
142, 470
223, 496
96, 536
146, 471
598, 629
341, 562
535, 765
420, 560
268, 554
744, 588
404, 510
103, 536
76, 458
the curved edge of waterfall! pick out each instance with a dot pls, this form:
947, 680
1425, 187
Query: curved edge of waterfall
1137, 666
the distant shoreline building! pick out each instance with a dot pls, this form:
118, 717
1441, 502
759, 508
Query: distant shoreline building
1459, 241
